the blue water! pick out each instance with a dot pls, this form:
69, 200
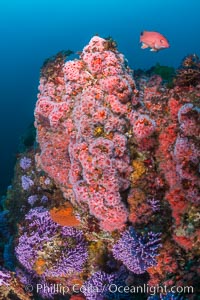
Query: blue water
32, 30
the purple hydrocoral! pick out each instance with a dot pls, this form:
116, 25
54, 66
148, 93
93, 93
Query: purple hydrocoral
97, 285
74, 255
25, 163
32, 199
27, 279
4, 277
101, 285
137, 252
27, 182
63, 248
155, 204
40, 230
44, 199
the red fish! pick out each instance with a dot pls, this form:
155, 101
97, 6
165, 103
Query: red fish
153, 40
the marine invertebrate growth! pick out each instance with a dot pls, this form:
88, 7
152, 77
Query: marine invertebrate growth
48, 249
27, 182
11, 288
82, 134
178, 151
97, 285
102, 285
109, 157
189, 72
25, 163
64, 216
137, 252
5, 277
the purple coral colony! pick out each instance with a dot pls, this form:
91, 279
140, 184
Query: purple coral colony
107, 201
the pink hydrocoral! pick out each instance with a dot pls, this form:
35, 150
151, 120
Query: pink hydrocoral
81, 130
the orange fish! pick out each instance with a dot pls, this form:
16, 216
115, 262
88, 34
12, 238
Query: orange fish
153, 40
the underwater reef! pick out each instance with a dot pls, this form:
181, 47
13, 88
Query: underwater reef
104, 204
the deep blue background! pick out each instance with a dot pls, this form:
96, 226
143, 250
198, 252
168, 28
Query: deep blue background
32, 30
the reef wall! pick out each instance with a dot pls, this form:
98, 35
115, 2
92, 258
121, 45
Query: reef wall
110, 196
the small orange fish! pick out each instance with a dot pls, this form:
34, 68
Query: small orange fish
153, 40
